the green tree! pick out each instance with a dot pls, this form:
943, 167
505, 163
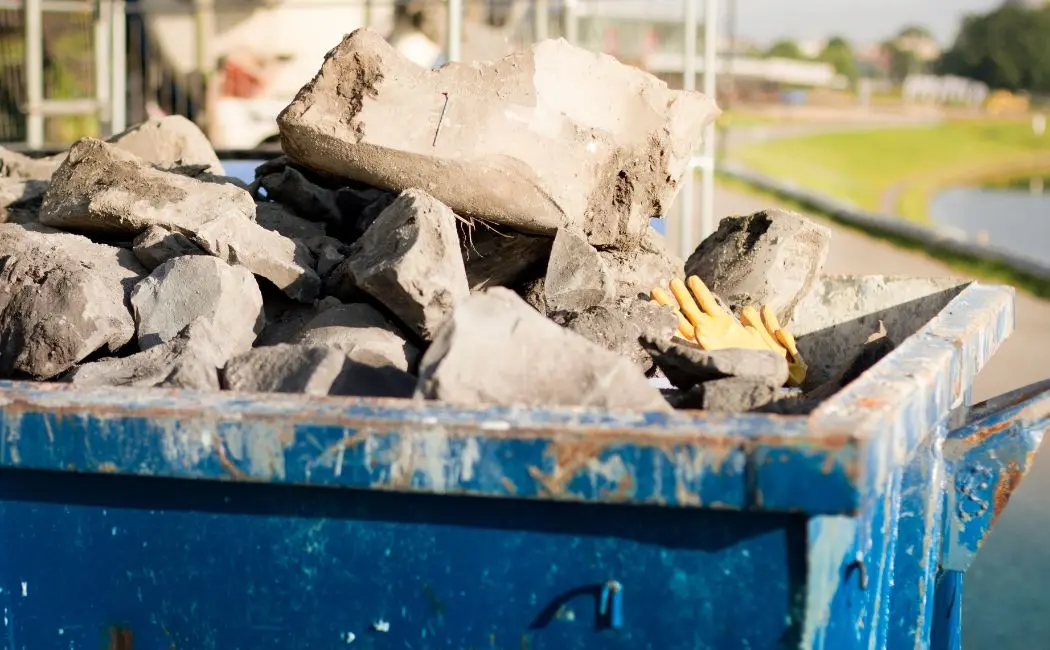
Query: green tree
1007, 48
902, 62
839, 54
785, 49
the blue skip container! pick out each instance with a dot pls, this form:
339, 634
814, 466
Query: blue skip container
151, 519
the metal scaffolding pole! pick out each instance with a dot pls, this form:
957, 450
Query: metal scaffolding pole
687, 195
570, 21
34, 63
454, 29
103, 29
118, 89
707, 207
540, 13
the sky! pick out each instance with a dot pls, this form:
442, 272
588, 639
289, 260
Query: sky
862, 21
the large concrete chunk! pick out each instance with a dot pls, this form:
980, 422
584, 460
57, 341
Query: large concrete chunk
767, 258
362, 333
501, 257
634, 273
191, 360
409, 261
15, 192
198, 287
620, 327
62, 298
686, 364
548, 137
496, 350
314, 371
577, 277
157, 245
170, 141
103, 189
22, 167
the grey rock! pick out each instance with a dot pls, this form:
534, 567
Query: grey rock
102, 189
634, 273
728, 395
156, 245
329, 253
409, 261
314, 371
497, 350
537, 139
170, 141
62, 298
198, 287
279, 219
501, 257
619, 328
577, 276
363, 334
767, 258
20, 166
687, 364
191, 360
285, 318
15, 192
289, 187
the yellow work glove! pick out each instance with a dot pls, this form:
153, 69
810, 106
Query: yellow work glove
713, 328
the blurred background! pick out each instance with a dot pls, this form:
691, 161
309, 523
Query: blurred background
930, 112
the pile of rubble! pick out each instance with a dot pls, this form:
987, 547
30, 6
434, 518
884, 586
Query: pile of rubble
477, 234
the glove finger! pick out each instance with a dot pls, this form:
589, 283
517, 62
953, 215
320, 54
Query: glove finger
685, 328
707, 301
769, 319
689, 308
749, 317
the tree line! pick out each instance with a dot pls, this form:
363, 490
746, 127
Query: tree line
1007, 48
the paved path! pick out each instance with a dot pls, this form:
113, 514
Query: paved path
1006, 606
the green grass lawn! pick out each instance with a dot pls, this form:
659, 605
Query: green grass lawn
907, 164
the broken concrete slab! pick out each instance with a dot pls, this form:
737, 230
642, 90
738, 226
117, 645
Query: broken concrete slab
279, 219
541, 139
634, 273
620, 327
170, 141
62, 298
191, 360
285, 318
104, 190
16, 192
497, 350
312, 370
501, 257
767, 258
409, 261
728, 395
329, 253
156, 245
22, 167
199, 287
686, 364
363, 334
577, 276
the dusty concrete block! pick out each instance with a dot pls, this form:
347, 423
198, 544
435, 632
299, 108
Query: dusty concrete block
687, 365
549, 137
20, 166
767, 258
496, 350
634, 273
619, 328
409, 261
279, 219
191, 360
361, 333
102, 189
62, 298
15, 192
577, 276
157, 245
501, 257
170, 141
290, 188
199, 287
728, 395
285, 318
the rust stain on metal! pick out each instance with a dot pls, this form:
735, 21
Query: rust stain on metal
569, 457
624, 488
985, 433
226, 463
107, 467
508, 485
1009, 478
120, 638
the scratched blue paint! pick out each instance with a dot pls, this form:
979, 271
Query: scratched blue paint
842, 518
195, 564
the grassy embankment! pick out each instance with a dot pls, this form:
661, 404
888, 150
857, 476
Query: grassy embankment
898, 170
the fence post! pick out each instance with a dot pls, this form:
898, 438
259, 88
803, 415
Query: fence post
118, 112
34, 71
687, 195
103, 29
454, 29
540, 9
707, 206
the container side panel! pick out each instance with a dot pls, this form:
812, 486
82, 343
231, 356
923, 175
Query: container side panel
91, 561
